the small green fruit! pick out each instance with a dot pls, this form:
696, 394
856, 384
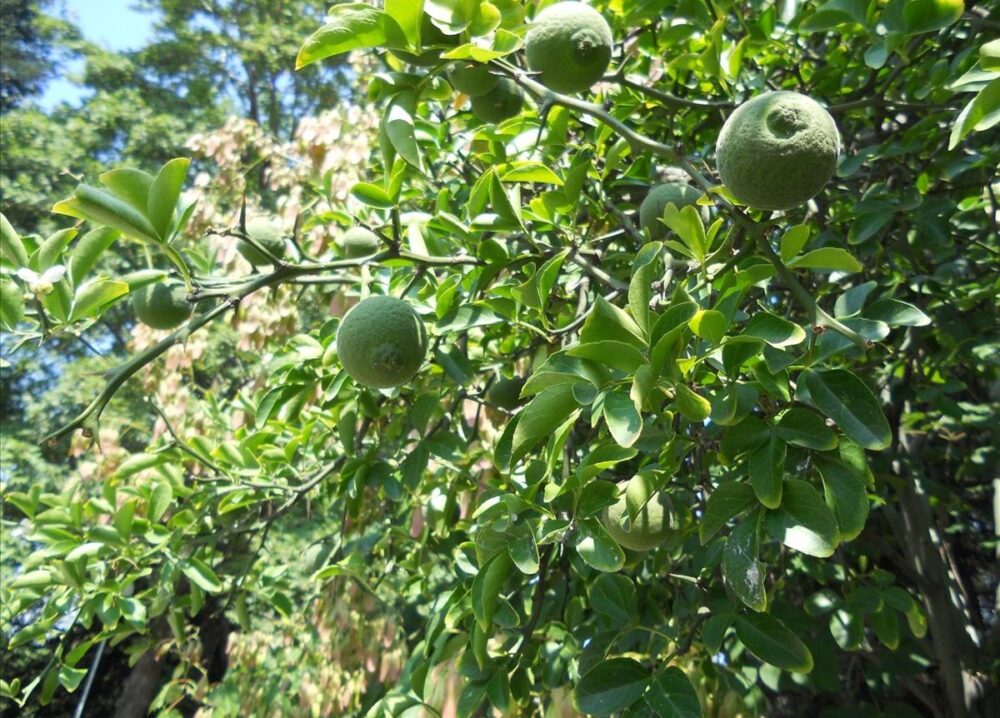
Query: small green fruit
360, 242
268, 233
651, 527
651, 209
777, 150
502, 102
506, 393
570, 45
163, 305
382, 342
472, 78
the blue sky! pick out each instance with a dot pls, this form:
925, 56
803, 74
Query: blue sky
113, 24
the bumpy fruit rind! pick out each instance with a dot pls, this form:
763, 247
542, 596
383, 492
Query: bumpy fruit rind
472, 78
502, 102
651, 209
777, 150
163, 305
268, 233
651, 527
359, 242
382, 342
570, 45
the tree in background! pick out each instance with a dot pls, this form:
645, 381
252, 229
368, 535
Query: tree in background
802, 401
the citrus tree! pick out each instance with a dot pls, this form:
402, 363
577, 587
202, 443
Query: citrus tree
649, 370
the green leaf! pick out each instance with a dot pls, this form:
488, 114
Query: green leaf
165, 193
886, 625
930, 15
845, 493
398, 123
793, 240
709, 324
741, 568
546, 411
897, 314
804, 522
349, 26
130, 185
767, 469
597, 548
737, 350
689, 227
93, 297
372, 195
160, 501
850, 403
774, 330
745, 436
729, 500
524, 552
407, 14
528, 171
96, 205
827, 259
622, 418
605, 322
801, 427
610, 686
88, 250
982, 113
12, 250
201, 575
770, 640
671, 695
617, 355
11, 304
486, 588
51, 250
70, 678
613, 595
692, 406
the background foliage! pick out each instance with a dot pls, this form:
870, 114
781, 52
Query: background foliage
248, 532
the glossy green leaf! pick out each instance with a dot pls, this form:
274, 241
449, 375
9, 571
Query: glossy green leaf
164, 194
709, 325
597, 548
804, 522
692, 405
845, 492
850, 403
770, 640
766, 466
486, 588
349, 26
610, 686
774, 330
729, 500
622, 418
801, 427
741, 566
671, 695
827, 259
613, 595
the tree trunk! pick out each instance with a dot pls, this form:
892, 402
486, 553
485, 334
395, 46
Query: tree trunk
139, 688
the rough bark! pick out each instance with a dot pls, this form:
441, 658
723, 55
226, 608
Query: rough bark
139, 688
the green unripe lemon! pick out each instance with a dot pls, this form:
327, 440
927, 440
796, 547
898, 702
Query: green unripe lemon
651, 209
651, 527
472, 78
777, 150
163, 305
506, 393
503, 101
430, 37
268, 234
359, 242
569, 44
382, 342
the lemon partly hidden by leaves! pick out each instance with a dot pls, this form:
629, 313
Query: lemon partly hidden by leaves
502, 102
472, 78
570, 45
777, 150
382, 342
651, 209
359, 242
651, 527
268, 234
163, 305
506, 393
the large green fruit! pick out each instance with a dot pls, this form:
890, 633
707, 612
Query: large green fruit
163, 305
506, 393
359, 242
503, 101
268, 233
431, 38
382, 342
651, 209
777, 150
651, 527
472, 78
569, 44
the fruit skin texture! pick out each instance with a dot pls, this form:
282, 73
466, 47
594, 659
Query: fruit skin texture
651, 209
777, 150
163, 305
472, 78
268, 234
359, 242
651, 527
382, 342
506, 393
503, 101
569, 43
